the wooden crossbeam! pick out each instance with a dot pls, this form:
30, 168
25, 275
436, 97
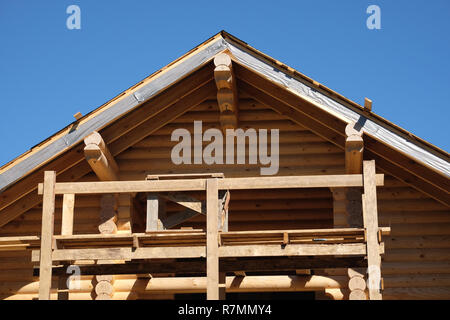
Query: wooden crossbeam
99, 158
227, 96
234, 251
318, 181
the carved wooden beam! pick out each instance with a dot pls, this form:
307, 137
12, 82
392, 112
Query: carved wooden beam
354, 147
227, 97
99, 158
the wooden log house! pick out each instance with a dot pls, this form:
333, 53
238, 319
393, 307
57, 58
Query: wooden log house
358, 209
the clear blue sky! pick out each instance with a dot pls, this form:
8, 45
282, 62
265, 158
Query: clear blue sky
48, 73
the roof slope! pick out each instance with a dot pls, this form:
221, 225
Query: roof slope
264, 66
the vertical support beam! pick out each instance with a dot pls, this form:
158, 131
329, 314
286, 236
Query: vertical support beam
155, 212
212, 240
67, 214
354, 147
226, 91
370, 216
48, 218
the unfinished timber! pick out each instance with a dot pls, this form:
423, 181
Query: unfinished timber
214, 251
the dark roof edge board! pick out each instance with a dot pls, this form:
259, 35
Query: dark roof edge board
380, 131
111, 113
252, 60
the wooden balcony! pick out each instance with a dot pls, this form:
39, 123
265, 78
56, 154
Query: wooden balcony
223, 250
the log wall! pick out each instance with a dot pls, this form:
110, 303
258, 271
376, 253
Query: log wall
417, 260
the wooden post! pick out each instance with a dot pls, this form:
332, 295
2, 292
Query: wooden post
370, 217
67, 214
212, 240
48, 216
354, 147
226, 91
155, 212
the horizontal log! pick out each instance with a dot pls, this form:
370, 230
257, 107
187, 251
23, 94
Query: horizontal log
420, 229
198, 284
388, 218
434, 293
285, 137
209, 116
317, 149
282, 125
276, 215
417, 242
415, 268
417, 281
288, 160
403, 255
242, 171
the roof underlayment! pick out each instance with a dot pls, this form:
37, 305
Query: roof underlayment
191, 62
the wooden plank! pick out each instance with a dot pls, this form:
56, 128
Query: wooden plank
351, 249
212, 239
67, 214
48, 216
127, 254
174, 176
318, 181
370, 218
324, 181
129, 186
